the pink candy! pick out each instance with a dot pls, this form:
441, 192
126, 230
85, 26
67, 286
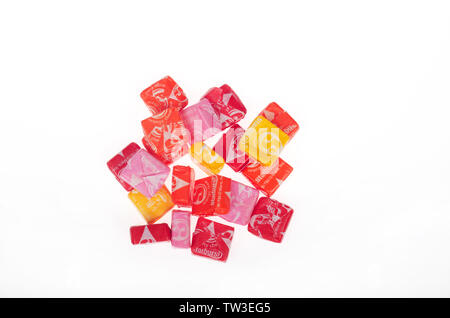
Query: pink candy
201, 120
243, 199
181, 229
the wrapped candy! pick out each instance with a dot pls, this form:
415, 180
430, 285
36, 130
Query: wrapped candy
154, 208
211, 196
243, 200
145, 173
212, 239
164, 94
150, 233
267, 179
227, 148
206, 158
119, 161
165, 135
181, 229
183, 180
201, 120
270, 219
280, 118
227, 104
263, 141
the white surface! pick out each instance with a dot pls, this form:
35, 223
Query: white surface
367, 81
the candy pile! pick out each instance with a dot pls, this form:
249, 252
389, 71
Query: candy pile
175, 130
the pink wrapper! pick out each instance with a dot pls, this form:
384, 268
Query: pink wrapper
201, 120
243, 200
181, 229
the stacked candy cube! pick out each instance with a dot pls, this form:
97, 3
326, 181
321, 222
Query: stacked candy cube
175, 130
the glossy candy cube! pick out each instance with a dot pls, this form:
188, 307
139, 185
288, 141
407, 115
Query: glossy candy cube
166, 136
119, 161
212, 239
227, 147
280, 118
227, 104
181, 229
183, 181
150, 233
164, 94
267, 179
270, 219
206, 158
243, 200
211, 196
145, 173
201, 120
263, 141
154, 208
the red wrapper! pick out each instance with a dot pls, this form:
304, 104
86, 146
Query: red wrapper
211, 196
165, 135
228, 148
227, 104
164, 94
270, 219
280, 118
183, 181
212, 239
119, 161
150, 233
267, 179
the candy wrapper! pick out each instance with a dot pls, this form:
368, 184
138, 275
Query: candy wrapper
212, 239
270, 219
164, 94
183, 181
119, 161
206, 158
243, 200
154, 208
211, 196
181, 229
201, 120
145, 173
227, 148
151, 233
267, 179
280, 118
227, 104
166, 136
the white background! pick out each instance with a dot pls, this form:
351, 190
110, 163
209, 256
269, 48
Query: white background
368, 82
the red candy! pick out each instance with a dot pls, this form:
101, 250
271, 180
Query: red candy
270, 219
212, 239
150, 233
227, 147
119, 161
227, 104
164, 94
211, 196
165, 135
267, 179
183, 181
280, 118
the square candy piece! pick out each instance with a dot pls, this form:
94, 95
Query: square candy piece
227, 104
243, 200
263, 141
154, 208
280, 118
206, 158
164, 94
150, 233
183, 181
270, 219
119, 161
212, 239
181, 229
267, 179
227, 148
201, 120
211, 196
166, 136
145, 173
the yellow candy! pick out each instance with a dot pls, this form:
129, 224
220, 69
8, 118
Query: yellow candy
154, 208
206, 158
263, 141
